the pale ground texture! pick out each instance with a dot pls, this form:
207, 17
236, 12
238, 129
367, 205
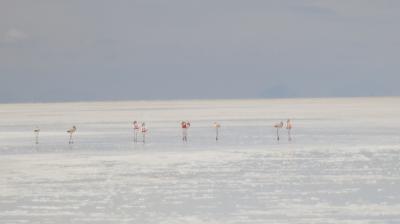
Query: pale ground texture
341, 167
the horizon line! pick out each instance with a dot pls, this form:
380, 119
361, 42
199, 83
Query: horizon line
197, 99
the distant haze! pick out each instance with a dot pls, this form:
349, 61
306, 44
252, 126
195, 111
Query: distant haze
72, 50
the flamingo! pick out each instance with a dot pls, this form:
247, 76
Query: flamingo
185, 125
71, 131
36, 131
278, 126
143, 129
217, 126
135, 126
289, 128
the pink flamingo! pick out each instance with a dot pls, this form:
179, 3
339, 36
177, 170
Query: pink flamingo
185, 125
136, 128
143, 129
71, 131
217, 126
278, 126
289, 128
36, 131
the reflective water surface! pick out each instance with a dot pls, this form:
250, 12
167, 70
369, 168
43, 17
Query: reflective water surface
342, 165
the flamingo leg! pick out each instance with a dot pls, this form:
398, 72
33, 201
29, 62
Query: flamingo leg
277, 134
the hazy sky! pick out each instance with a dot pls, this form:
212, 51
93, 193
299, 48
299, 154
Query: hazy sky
120, 50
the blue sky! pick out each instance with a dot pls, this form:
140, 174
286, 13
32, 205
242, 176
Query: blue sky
137, 50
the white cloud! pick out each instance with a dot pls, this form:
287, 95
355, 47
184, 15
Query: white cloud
13, 36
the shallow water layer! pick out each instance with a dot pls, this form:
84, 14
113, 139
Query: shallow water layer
342, 165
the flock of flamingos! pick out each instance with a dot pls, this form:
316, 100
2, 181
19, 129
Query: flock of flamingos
185, 125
